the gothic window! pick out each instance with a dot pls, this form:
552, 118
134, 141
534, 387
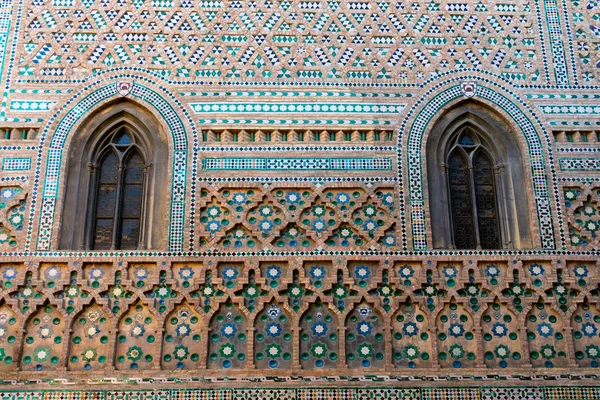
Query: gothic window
116, 201
472, 194
477, 182
115, 197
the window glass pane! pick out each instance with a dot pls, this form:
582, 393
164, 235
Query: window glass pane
108, 168
485, 196
132, 201
134, 169
460, 203
122, 138
465, 140
106, 202
130, 234
103, 234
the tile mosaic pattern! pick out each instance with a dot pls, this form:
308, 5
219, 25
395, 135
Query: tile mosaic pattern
579, 164
557, 47
31, 106
16, 164
291, 40
570, 109
275, 393
299, 164
583, 15
6, 13
293, 108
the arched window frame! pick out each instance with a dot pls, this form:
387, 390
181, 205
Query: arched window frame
123, 152
151, 136
469, 153
515, 207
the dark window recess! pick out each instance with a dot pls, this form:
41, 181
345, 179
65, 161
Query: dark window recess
118, 180
485, 197
460, 197
472, 194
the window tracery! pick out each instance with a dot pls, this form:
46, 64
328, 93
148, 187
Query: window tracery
472, 192
478, 187
118, 175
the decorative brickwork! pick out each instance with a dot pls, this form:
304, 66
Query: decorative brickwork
310, 316
295, 255
364, 40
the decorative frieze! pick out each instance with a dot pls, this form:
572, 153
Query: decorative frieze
311, 316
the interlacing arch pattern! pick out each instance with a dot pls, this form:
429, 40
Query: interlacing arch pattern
286, 217
14, 202
316, 315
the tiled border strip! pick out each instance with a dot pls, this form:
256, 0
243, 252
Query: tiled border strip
316, 393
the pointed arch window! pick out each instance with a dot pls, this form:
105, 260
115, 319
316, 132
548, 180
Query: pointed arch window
116, 201
471, 181
477, 181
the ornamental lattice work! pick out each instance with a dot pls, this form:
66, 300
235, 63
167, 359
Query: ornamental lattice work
583, 216
305, 315
292, 218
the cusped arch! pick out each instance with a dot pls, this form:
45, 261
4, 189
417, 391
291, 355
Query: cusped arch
44, 339
319, 344
94, 99
183, 330
412, 343
421, 118
273, 345
365, 344
227, 344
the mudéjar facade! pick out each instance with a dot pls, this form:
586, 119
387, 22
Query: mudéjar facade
293, 199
